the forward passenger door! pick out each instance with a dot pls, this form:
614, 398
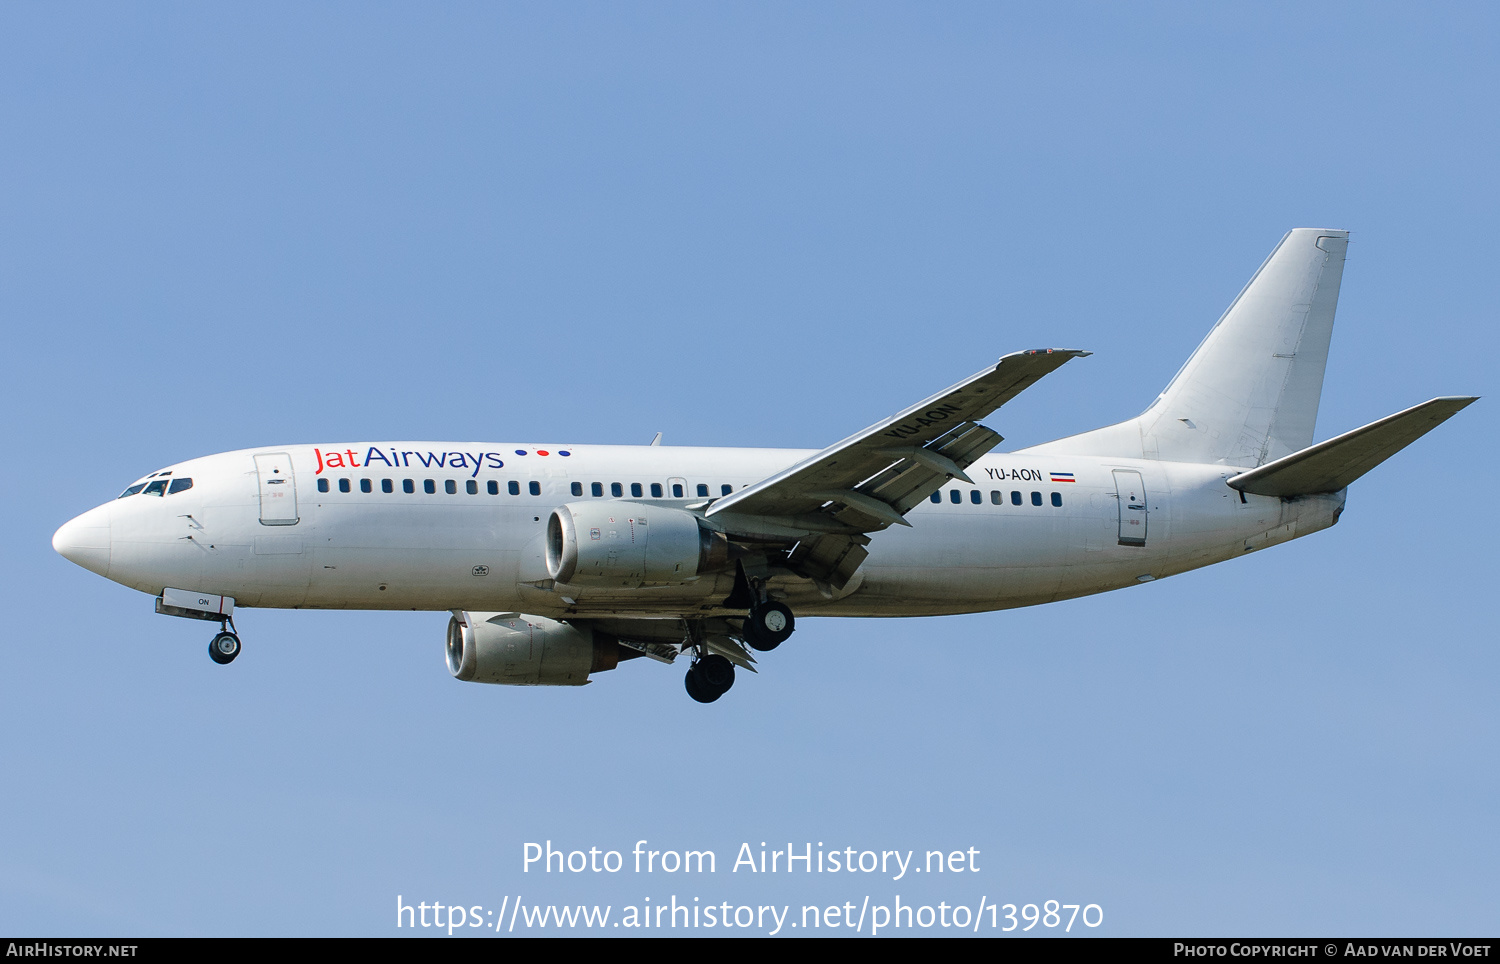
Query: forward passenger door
278, 490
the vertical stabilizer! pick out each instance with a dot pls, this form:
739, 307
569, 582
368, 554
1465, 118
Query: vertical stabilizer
1249, 394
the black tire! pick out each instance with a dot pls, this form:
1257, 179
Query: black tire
697, 689
223, 648
715, 673
769, 625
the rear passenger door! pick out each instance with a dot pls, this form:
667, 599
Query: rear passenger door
1131, 492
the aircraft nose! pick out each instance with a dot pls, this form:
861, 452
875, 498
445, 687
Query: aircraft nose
84, 541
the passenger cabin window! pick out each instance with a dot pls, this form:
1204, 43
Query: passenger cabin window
702, 490
597, 488
536, 488
138, 487
322, 485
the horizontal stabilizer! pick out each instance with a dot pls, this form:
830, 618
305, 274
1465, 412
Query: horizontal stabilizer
1332, 465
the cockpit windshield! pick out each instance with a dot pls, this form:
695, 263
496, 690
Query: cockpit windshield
158, 484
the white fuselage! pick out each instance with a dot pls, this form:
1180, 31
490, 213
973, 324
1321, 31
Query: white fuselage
232, 534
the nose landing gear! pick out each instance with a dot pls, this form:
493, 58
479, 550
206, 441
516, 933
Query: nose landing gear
225, 646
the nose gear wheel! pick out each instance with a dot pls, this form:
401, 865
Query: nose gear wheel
224, 647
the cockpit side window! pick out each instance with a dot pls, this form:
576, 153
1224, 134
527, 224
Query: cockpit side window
158, 487
179, 485
132, 490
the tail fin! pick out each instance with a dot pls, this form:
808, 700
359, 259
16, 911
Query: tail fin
1249, 394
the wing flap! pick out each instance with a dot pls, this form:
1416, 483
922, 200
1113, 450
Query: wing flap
908, 482
730, 649
831, 558
1332, 465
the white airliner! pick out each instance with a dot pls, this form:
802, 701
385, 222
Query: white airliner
560, 560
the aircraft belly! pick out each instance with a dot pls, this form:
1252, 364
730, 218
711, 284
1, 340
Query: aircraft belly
1006, 558
410, 578
700, 598
378, 556
916, 591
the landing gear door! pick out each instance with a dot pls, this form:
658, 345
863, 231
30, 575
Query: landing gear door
1131, 492
278, 490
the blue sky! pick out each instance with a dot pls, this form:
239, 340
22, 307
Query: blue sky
743, 224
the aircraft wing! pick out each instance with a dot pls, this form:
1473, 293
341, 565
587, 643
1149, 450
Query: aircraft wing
871, 479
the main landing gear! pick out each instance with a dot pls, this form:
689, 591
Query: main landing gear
709, 678
768, 625
225, 646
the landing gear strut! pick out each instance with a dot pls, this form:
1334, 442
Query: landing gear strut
224, 647
709, 678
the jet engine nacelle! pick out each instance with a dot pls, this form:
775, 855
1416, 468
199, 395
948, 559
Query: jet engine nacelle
627, 544
526, 650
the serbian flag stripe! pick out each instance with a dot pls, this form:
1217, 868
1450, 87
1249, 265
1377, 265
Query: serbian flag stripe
1063, 477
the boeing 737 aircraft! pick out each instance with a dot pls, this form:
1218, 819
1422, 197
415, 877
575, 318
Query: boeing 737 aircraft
559, 560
